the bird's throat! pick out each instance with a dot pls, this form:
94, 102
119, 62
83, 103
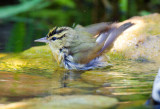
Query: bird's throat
56, 53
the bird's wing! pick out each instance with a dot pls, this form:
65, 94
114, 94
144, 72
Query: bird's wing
83, 47
96, 28
108, 37
85, 52
86, 48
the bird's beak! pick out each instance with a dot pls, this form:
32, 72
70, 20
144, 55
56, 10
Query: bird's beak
44, 39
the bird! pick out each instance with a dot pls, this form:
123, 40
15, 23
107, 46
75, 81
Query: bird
83, 48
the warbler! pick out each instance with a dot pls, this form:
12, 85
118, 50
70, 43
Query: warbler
83, 48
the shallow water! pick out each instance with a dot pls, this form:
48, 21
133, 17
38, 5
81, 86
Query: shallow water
127, 80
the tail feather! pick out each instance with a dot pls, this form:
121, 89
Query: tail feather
113, 34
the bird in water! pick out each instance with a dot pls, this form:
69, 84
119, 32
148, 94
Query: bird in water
83, 48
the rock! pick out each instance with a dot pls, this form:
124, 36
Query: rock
65, 102
142, 40
3, 55
36, 60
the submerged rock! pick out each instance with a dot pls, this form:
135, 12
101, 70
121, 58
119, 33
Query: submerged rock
142, 40
65, 102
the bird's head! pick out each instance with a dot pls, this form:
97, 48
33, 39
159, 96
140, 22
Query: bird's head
56, 37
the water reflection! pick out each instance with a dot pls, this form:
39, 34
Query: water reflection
70, 76
15, 86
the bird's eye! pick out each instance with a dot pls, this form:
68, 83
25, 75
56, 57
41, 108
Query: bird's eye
54, 38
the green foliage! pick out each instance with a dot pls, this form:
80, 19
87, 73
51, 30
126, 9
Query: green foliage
132, 10
123, 8
9, 11
124, 5
68, 3
29, 36
155, 2
40, 15
143, 13
15, 42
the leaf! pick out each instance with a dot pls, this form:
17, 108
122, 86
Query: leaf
143, 13
9, 11
69, 3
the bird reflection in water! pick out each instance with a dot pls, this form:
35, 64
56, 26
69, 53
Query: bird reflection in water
70, 76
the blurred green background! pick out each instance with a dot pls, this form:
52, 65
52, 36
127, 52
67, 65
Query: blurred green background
23, 21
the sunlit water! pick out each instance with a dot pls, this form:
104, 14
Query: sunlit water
128, 81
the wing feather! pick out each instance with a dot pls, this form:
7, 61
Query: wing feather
112, 34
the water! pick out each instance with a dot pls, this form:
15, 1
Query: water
28, 77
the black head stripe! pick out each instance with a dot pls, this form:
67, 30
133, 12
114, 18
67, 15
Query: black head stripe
54, 31
61, 30
61, 37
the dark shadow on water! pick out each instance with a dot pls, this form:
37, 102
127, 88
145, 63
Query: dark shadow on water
150, 103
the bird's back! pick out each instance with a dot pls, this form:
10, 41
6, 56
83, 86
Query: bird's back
94, 40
